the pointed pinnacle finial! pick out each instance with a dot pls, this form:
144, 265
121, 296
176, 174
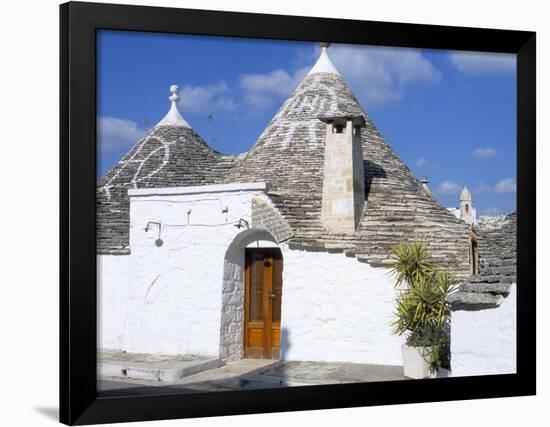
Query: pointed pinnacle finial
465, 195
324, 64
174, 90
173, 118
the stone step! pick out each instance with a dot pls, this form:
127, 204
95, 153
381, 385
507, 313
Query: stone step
149, 367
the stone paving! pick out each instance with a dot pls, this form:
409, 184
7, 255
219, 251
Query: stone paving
335, 372
254, 373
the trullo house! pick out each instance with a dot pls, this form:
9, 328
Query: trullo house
275, 253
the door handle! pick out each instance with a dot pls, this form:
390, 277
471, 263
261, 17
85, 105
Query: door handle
271, 296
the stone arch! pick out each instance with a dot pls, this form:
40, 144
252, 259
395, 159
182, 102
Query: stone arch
232, 316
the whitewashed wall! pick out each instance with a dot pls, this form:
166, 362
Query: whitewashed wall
187, 296
175, 297
112, 299
336, 308
483, 341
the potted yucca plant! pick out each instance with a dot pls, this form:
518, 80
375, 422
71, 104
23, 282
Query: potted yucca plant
422, 313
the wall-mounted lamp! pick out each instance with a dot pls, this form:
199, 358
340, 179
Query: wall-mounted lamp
158, 242
149, 223
242, 223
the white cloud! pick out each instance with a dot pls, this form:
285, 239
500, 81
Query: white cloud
483, 188
116, 134
449, 188
214, 97
504, 186
507, 185
484, 153
261, 90
491, 211
420, 162
380, 75
477, 63
376, 75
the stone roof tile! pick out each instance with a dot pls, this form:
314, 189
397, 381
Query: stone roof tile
289, 154
497, 255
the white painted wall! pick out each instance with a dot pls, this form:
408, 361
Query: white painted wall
175, 297
112, 298
483, 342
187, 296
336, 308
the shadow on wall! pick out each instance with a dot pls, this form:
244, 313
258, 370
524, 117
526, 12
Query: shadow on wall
372, 171
285, 344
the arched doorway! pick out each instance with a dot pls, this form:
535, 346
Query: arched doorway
262, 302
238, 330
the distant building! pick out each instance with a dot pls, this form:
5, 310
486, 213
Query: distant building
466, 211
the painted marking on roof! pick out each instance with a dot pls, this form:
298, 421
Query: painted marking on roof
136, 177
125, 163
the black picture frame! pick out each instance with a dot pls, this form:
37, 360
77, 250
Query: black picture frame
79, 22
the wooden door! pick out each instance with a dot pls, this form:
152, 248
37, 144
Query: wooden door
263, 294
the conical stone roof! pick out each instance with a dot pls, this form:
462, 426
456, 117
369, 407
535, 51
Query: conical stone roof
289, 155
169, 155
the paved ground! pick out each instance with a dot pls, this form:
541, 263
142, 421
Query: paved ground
330, 373
254, 373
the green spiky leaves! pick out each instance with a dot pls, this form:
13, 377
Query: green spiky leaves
421, 309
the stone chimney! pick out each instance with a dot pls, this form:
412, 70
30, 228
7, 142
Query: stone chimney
424, 181
344, 176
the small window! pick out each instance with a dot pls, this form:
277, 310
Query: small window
339, 128
466, 208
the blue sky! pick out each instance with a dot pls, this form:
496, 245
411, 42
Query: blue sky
449, 115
